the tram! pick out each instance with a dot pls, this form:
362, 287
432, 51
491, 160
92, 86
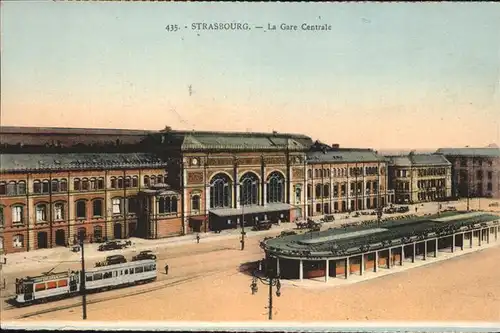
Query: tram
49, 287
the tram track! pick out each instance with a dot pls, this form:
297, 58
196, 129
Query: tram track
161, 285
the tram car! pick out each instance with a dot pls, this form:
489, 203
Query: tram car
54, 286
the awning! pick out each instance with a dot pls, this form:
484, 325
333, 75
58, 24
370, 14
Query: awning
251, 209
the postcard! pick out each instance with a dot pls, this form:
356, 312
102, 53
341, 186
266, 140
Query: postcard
250, 166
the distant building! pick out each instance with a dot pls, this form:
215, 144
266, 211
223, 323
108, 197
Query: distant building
420, 177
475, 171
344, 179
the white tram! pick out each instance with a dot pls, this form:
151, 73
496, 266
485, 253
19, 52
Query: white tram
66, 284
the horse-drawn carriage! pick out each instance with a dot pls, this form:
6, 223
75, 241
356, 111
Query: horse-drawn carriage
309, 224
262, 225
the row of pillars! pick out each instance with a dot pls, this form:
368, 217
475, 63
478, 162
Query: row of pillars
482, 233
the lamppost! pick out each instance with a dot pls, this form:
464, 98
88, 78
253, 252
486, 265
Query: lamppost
271, 280
242, 241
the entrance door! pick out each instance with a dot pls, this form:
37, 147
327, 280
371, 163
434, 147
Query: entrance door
28, 291
132, 229
117, 231
60, 237
42, 240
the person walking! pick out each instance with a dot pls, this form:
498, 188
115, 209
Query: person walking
198, 238
166, 269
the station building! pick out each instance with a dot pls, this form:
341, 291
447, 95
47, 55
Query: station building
420, 178
345, 179
475, 171
59, 183
341, 252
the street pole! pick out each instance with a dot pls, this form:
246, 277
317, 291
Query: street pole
271, 298
242, 228
82, 283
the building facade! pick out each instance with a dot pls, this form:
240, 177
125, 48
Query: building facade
420, 178
343, 180
475, 171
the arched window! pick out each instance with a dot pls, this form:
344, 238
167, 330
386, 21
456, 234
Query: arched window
93, 184
173, 205
161, 205
45, 186
37, 187
153, 180
147, 183
298, 194
54, 186
81, 209
309, 173
195, 202
275, 188
120, 182
135, 181
85, 184
168, 203
309, 191
249, 189
21, 187
100, 183
59, 211
3, 188
316, 173
63, 185
159, 179
128, 182
319, 191
113, 182
326, 190
97, 208
220, 191
2, 218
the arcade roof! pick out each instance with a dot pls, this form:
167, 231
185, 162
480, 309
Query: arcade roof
351, 240
344, 155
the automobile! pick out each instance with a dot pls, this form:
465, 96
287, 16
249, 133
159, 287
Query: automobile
144, 255
110, 246
115, 259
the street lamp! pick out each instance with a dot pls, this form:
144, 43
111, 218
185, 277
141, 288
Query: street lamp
242, 241
271, 281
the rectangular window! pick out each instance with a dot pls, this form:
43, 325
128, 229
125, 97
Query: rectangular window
131, 271
62, 283
41, 213
17, 214
45, 187
100, 183
39, 286
97, 276
51, 284
88, 278
139, 270
116, 206
59, 212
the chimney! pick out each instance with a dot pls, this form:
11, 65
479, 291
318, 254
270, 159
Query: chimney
335, 146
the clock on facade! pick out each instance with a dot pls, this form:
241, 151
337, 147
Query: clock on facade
194, 161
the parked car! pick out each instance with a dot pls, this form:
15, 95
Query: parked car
144, 255
116, 259
110, 246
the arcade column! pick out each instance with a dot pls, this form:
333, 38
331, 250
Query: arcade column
327, 270
301, 270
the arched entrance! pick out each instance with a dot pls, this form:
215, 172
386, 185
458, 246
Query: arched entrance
117, 231
60, 237
42, 240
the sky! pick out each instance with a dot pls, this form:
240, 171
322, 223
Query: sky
398, 75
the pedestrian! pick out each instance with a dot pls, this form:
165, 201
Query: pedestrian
198, 238
416, 209
166, 269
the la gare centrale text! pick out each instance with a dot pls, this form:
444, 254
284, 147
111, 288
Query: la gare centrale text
236, 26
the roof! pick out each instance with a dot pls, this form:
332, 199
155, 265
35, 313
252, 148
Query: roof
196, 141
419, 160
26, 162
483, 152
70, 130
344, 155
357, 239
